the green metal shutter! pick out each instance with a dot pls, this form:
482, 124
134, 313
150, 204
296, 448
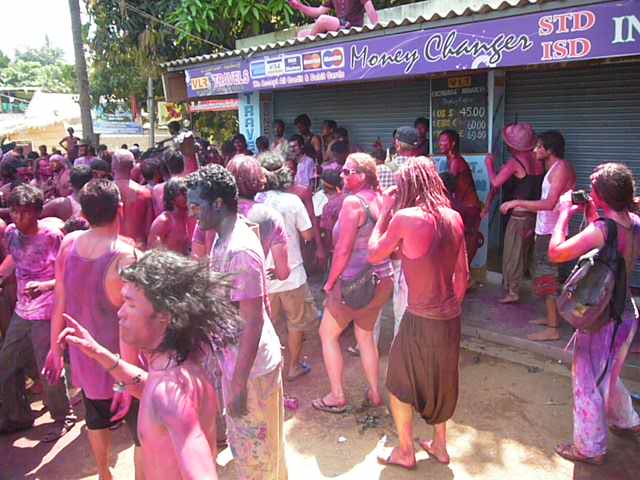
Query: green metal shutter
596, 108
367, 110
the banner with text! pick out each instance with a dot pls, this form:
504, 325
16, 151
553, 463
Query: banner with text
580, 33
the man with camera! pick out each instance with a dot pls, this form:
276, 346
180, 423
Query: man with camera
560, 178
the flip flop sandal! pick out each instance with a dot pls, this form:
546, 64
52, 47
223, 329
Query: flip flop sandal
319, 404
387, 462
353, 351
569, 452
304, 370
54, 435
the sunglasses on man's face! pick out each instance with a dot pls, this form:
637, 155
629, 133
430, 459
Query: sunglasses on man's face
347, 171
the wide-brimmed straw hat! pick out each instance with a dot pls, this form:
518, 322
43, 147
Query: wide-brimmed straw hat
519, 136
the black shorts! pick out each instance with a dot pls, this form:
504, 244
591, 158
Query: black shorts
98, 416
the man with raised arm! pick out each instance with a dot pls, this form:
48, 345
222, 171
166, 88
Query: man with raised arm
560, 178
88, 288
174, 311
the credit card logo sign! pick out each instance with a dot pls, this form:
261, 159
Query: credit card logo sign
293, 64
257, 69
333, 58
312, 61
274, 66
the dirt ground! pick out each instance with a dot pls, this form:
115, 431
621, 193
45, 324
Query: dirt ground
509, 418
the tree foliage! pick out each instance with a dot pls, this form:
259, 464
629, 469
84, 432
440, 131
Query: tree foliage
127, 45
42, 67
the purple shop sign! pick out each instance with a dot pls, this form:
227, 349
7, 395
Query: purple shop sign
580, 33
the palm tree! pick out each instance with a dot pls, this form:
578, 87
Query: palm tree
81, 72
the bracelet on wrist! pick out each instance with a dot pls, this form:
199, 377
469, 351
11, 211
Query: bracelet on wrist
115, 364
121, 387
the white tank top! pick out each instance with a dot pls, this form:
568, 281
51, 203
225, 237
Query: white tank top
546, 219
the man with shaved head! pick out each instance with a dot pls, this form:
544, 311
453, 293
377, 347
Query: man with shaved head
137, 214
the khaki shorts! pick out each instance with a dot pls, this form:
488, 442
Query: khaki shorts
298, 308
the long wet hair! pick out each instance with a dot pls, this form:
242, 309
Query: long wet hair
614, 184
201, 315
419, 185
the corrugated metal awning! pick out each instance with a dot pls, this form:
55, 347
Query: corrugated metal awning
432, 11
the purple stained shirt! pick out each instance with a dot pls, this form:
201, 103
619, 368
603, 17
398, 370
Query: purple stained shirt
269, 221
35, 257
84, 161
240, 255
306, 171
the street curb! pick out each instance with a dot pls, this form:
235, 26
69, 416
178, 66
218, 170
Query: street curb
546, 350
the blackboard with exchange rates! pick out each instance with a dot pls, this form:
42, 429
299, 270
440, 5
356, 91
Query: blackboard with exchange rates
460, 103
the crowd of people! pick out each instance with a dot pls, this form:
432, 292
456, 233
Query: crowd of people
158, 277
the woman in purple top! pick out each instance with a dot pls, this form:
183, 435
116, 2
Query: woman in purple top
351, 237
600, 399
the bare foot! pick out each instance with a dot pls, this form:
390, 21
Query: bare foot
394, 457
372, 400
539, 321
509, 298
546, 335
440, 454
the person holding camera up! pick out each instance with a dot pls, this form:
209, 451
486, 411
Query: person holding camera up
600, 399
560, 178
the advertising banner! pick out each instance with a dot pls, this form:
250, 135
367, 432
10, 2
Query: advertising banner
224, 105
581, 33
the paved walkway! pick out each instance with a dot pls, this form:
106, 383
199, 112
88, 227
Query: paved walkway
509, 325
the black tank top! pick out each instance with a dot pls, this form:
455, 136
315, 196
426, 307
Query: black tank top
528, 187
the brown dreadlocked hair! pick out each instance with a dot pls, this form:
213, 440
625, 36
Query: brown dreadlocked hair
419, 185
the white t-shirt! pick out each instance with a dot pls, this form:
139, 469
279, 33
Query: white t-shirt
296, 220
546, 219
241, 254
320, 199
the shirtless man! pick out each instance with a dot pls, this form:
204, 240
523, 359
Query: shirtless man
560, 178
349, 13
174, 163
423, 362
171, 228
185, 142
70, 145
177, 400
138, 211
69, 206
88, 288
312, 142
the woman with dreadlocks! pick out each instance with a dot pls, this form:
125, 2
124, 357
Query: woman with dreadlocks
175, 311
422, 373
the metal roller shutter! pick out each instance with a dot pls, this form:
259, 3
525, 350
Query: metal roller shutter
366, 110
597, 109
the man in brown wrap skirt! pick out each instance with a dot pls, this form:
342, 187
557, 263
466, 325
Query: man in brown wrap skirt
422, 373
